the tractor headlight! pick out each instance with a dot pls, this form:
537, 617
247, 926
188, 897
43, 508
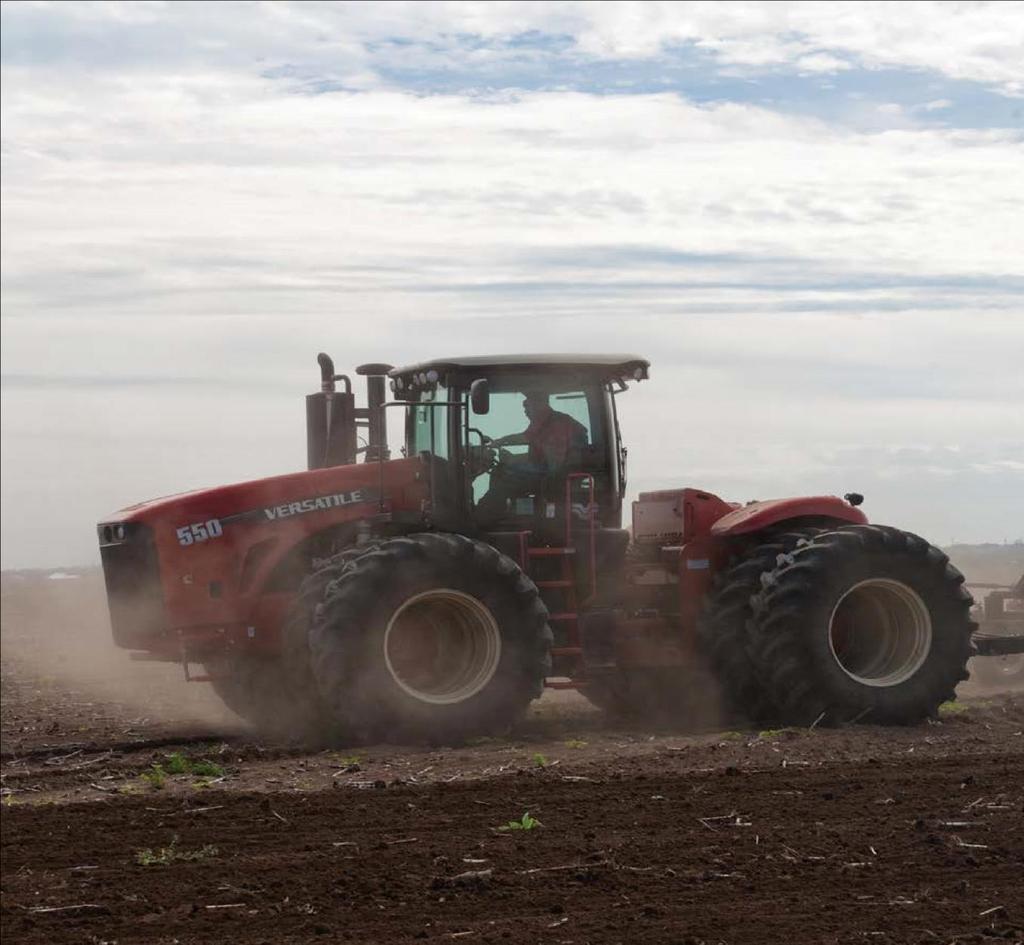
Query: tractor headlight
113, 533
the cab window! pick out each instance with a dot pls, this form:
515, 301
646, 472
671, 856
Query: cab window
428, 426
541, 454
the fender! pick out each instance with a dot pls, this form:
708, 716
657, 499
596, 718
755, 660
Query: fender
756, 516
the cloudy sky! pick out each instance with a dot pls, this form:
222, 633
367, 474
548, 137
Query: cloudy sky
809, 216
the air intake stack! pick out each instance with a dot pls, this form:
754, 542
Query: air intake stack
376, 424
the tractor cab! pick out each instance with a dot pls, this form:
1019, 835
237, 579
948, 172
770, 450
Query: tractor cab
520, 443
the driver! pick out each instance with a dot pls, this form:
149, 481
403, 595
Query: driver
554, 440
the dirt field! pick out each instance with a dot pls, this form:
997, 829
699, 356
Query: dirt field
137, 809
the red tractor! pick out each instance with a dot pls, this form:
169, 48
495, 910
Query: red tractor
433, 596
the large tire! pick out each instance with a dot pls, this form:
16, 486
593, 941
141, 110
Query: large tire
431, 637
257, 689
687, 697
238, 681
723, 627
278, 697
863, 623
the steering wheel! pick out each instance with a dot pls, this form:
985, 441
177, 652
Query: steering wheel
481, 459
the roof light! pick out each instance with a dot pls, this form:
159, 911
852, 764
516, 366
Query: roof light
432, 376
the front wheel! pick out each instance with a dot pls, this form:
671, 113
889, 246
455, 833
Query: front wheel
863, 623
278, 697
260, 690
434, 637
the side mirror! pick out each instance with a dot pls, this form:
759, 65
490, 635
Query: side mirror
480, 396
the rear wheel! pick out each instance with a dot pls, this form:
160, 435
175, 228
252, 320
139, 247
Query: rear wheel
862, 623
433, 636
723, 626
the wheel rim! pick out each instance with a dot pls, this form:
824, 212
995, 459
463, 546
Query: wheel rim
880, 632
442, 646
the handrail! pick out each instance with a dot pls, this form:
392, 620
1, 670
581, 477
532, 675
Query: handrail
591, 518
380, 458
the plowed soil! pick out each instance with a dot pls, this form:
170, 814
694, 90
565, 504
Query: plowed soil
136, 809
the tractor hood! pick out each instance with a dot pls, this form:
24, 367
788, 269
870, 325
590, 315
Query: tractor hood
275, 497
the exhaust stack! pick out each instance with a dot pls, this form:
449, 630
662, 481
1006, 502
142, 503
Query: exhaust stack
330, 420
333, 419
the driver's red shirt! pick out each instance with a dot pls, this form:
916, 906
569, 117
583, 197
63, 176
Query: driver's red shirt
552, 439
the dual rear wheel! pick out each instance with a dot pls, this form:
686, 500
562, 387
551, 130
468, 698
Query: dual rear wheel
859, 623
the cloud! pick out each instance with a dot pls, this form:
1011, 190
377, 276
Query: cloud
979, 42
197, 201
822, 62
173, 189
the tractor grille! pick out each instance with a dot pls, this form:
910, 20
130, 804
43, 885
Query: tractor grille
132, 575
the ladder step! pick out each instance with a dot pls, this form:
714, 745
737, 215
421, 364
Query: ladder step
564, 616
567, 651
553, 583
549, 552
561, 682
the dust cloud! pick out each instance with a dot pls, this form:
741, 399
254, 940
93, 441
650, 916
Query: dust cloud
987, 567
62, 672
63, 676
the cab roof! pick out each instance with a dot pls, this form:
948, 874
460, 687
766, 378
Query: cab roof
609, 365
